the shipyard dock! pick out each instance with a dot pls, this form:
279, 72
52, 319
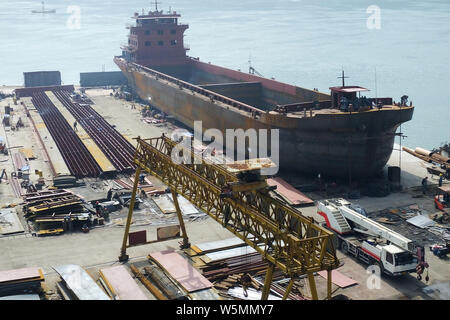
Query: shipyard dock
84, 140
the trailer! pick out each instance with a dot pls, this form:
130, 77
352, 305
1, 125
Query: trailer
370, 241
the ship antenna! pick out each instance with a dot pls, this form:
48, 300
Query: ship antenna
156, 4
343, 77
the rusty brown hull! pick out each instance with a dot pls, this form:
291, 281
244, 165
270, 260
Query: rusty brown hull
334, 144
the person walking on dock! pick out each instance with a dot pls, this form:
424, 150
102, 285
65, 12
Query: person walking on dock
75, 126
441, 179
424, 185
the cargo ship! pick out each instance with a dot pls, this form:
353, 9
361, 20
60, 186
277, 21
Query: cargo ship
341, 134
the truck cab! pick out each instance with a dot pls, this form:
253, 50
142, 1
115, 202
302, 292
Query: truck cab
390, 258
397, 261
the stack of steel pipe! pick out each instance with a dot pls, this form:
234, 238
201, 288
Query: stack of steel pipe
77, 157
116, 148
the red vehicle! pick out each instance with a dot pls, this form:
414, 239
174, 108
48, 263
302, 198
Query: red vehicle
442, 199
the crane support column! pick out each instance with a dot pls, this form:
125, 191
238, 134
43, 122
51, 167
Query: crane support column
123, 251
312, 286
288, 289
329, 284
267, 281
185, 243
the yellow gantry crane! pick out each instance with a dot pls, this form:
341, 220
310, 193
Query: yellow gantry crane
289, 241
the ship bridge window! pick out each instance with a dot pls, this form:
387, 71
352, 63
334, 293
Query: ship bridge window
160, 43
173, 42
148, 43
160, 32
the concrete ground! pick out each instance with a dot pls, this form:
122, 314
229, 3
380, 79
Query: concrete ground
101, 246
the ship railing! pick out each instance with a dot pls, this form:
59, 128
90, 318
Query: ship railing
210, 94
382, 101
301, 106
364, 104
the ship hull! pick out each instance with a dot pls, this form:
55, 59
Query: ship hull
340, 145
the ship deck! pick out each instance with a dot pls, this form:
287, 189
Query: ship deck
250, 98
329, 111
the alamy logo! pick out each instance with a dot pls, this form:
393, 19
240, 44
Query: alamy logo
239, 145
374, 20
74, 21
374, 280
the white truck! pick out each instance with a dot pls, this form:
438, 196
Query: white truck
370, 241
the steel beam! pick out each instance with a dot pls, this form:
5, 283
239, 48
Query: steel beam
185, 243
123, 252
267, 282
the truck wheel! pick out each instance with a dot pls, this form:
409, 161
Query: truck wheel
344, 247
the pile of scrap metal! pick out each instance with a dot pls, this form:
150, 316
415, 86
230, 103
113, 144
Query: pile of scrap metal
441, 162
56, 211
444, 149
145, 186
237, 270
20, 283
413, 223
22, 172
158, 283
124, 198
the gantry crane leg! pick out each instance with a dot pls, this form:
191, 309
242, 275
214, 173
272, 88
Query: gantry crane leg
288, 289
185, 243
329, 284
312, 286
123, 251
267, 281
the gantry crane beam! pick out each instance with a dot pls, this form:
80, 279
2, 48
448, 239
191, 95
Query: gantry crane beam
288, 240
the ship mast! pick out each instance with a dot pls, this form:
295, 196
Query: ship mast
156, 4
343, 77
